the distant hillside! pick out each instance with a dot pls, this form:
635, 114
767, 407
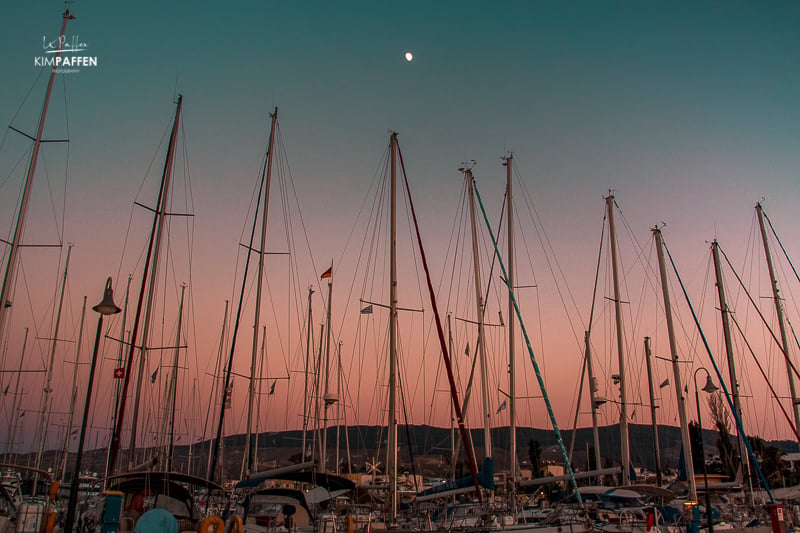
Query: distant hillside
430, 447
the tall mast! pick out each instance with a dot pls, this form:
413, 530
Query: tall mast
74, 392
452, 408
305, 375
594, 401
151, 286
487, 436
11, 263
119, 365
265, 177
344, 416
726, 332
218, 375
512, 390
44, 414
649, 360
623, 406
15, 404
152, 252
329, 398
779, 312
173, 393
317, 401
192, 436
248, 456
338, 404
258, 395
391, 462
676, 371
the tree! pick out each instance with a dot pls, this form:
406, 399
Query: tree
696, 443
591, 458
771, 461
535, 455
728, 454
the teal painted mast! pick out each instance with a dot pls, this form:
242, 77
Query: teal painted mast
565, 455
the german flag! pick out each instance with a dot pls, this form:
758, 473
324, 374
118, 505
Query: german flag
328, 273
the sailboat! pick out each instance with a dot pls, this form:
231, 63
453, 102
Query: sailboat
14, 510
126, 482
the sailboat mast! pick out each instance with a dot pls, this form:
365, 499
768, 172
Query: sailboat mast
593, 400
119, 365
152, 251
192, 436
44, 414
344, 418
726, 333
487, 436
327, 397
261, 358
623, 407
74, 391
338, 405
512, 390
151, 285
676, 370
391, 463
657, 450
221, 387
452, 408
317, 400
16, 241
15, 404
305, 374
248, 455
174, 384
779, 313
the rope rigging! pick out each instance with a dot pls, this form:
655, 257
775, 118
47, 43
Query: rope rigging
739, 426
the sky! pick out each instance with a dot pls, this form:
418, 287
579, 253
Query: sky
686, 110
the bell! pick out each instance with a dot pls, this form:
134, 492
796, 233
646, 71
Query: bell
709, 387
107, 306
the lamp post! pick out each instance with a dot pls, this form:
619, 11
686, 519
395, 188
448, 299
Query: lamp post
105, 307
709, 387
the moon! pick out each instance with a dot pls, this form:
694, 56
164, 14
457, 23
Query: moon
409, 57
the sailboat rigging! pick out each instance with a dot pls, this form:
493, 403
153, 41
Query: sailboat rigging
16, 242
264, 187
150, 267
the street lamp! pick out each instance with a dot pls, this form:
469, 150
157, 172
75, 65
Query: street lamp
709, 387
105, 307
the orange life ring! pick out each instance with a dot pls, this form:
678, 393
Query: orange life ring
235, 524
205, 525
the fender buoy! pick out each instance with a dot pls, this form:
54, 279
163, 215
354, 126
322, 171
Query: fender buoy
205, 525
235, 524
50, 523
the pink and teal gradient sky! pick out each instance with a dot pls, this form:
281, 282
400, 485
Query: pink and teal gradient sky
687, 110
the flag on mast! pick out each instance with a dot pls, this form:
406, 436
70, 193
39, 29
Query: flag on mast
328, 273
502, 406
228, 394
